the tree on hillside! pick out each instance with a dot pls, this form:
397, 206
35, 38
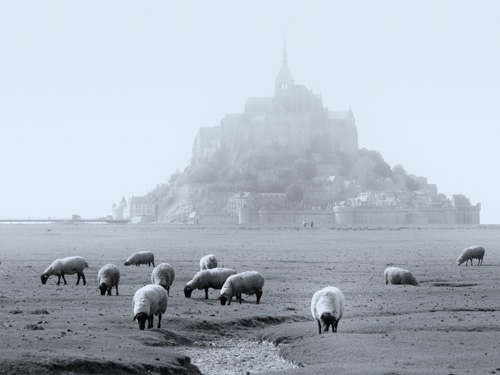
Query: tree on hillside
201, 174
174, 177
295, 193
305, 169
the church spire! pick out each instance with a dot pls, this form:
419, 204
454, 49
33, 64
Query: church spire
284, 59
284, 79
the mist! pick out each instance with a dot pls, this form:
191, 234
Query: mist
103, 100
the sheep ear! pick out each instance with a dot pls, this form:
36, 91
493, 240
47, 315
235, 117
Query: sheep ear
135, 317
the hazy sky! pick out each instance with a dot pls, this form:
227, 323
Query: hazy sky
102, 99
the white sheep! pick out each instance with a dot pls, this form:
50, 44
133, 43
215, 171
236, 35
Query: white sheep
249, 282
212, 278
470, 253
148, 301
141, 257
327, 307
396, 275
208, 261
163, 274
107, 278
66, 266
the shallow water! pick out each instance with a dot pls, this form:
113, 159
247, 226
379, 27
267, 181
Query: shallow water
235, 356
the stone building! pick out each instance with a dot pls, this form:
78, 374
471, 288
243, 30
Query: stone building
294, 121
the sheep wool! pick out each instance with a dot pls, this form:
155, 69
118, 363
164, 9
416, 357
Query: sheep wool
208, 262
399, 276
163, 274
249, 282
470, 253
212, 278
327, 307
141, 257
107, 278
66, 266
148, 301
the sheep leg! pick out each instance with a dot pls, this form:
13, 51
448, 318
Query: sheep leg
153, 264
206, 293
168, 291
78, 279
116, 289
159, 320
230, 298
84, 281
62, 275
334, 325
319, 326
258, 294
58, 279
150, 321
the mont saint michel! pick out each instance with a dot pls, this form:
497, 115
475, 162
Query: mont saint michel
289, 159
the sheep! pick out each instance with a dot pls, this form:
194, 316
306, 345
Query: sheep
327, 307
66, 266
141, 257
249, 282
212, 278
107, 278
470, 253
163, 274
395, 275
148, 301
207, 262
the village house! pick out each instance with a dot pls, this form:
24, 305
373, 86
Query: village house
237, 201
142, 206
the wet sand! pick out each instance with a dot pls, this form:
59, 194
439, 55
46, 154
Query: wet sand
450, 324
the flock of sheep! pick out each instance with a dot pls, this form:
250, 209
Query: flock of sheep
151, 299
327, 304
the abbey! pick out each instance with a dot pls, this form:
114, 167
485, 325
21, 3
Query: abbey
293, 122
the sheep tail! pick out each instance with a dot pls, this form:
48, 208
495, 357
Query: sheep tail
86, 265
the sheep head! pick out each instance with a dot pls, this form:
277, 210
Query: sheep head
327, 320
44, 279
141, 319
103, 287
187, 291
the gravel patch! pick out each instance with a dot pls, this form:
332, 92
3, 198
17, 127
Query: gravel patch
235, 356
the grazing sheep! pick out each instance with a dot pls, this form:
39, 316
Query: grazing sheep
107, 278
141, 257
327, 307
163, 274
470, 253
249, 282
148, 301
213, 278
395, 275
208, 262
66, 266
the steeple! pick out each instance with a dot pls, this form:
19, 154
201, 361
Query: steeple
284, 59
284, 80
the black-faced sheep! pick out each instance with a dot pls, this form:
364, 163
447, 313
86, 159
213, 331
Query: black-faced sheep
212, 278
327, 307
148, 301
141, 257
163, 274
208, 262
470, 253
107, 278
249, 282
396, 275
66, 266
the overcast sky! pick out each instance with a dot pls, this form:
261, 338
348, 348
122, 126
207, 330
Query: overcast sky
102, 99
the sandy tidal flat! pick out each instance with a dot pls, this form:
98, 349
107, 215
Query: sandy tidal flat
450, 324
